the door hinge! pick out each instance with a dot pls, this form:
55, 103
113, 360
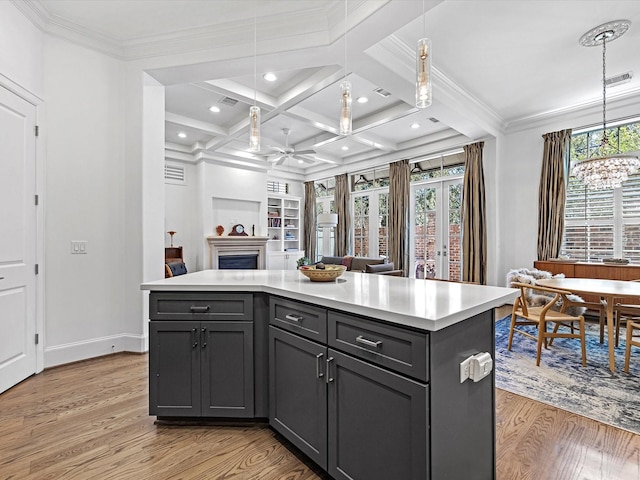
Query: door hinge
37, 338
37, 269
37, 199
36, 130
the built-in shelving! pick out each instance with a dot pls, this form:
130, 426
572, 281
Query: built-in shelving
284, 230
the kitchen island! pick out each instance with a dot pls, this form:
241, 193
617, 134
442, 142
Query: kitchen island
361, 374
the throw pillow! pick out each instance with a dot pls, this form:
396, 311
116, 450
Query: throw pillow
346, 261
379, 267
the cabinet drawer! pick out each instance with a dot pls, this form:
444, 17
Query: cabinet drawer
200, 306
392, 347
305, 320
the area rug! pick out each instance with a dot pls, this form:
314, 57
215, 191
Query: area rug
561, 380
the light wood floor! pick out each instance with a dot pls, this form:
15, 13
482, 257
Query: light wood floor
89, 420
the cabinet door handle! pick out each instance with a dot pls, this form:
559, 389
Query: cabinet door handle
319, 374
329, 377
204, 337
368, 343
294, 318
194, 342
199, 309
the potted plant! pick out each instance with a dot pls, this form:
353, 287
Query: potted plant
302, 261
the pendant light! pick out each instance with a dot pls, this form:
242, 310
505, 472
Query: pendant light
608, 170
423, 67
345, 88
254, 111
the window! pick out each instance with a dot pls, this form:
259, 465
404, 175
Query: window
603, 223
325, 191
370, 207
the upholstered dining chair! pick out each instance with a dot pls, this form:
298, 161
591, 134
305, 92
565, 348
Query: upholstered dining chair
632, 325
523, 314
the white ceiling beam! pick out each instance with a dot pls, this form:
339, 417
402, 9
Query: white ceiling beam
206, 127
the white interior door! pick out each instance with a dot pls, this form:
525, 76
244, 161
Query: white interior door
17, 240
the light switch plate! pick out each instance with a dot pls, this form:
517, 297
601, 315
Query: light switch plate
78, 247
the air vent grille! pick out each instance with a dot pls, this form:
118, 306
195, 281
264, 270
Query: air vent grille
619, 79
174, 173
382, 92
434, 120
231, 102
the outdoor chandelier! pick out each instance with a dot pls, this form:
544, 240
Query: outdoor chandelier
607, 171
345, 88
254, 111
423, 68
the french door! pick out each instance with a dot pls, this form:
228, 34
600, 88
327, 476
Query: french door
436, 247
370, 217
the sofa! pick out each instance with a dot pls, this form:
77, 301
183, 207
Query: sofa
378, 266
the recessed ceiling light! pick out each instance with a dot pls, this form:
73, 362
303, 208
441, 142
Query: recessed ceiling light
270, 77
300, 161
415, 125
182, 135
345, 148
214, 109
362, 99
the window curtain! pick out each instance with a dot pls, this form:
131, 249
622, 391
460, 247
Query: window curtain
399, 215
344, 220
474, 234
552, 193
310, 221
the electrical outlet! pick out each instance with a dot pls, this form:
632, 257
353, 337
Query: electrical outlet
465, 367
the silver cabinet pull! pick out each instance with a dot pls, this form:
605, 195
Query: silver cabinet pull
204, 337
329, 377
368, 343
294, 318
194, 342
319, 374
199, 309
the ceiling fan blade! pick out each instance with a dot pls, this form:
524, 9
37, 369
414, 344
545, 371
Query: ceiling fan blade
281, 160
277, 149
304, 152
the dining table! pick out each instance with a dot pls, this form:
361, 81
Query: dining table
607, 290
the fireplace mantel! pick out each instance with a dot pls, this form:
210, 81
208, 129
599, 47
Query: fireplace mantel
227, 245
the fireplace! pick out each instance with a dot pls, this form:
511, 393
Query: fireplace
237, 262
243, 252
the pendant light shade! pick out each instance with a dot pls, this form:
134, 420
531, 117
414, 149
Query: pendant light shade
254, 129
423, 73
345, 108
612, 168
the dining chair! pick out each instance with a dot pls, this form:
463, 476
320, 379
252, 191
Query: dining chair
631, 326
522, 315
625, 312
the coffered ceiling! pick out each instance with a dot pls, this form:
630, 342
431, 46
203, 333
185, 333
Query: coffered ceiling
497, 65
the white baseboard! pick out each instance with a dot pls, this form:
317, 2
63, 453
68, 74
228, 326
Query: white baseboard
95, 347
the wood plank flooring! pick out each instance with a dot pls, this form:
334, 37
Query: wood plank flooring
89, 420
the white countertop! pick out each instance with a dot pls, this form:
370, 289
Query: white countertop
421, 304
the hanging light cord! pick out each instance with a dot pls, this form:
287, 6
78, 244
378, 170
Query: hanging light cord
345, 39
605, 140
424, 22
255, 54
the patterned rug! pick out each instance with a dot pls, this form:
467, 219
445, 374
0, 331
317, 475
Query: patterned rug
561, 380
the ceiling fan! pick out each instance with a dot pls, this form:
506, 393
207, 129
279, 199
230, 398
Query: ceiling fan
287, 152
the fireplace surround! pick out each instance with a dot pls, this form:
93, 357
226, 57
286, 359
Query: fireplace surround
220, 246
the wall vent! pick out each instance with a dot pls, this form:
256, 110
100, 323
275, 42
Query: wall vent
382, 92
228, 101
619, 79
434, 120
174, 173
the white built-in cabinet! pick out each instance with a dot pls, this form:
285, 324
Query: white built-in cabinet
284, 228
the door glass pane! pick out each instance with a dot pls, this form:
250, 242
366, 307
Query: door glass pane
425, 232
454, 230
361, 226
383, 217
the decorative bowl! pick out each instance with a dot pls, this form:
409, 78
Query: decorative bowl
328, 274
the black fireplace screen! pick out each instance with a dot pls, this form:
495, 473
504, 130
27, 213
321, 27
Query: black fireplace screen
238, 262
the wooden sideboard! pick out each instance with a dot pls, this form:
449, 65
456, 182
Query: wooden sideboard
592, 270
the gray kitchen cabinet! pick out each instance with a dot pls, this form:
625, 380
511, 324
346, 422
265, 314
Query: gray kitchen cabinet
201, 368
298, 392
356, 420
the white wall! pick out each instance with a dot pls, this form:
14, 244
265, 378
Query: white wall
85, 201
518, 177
21, 53
180, 215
